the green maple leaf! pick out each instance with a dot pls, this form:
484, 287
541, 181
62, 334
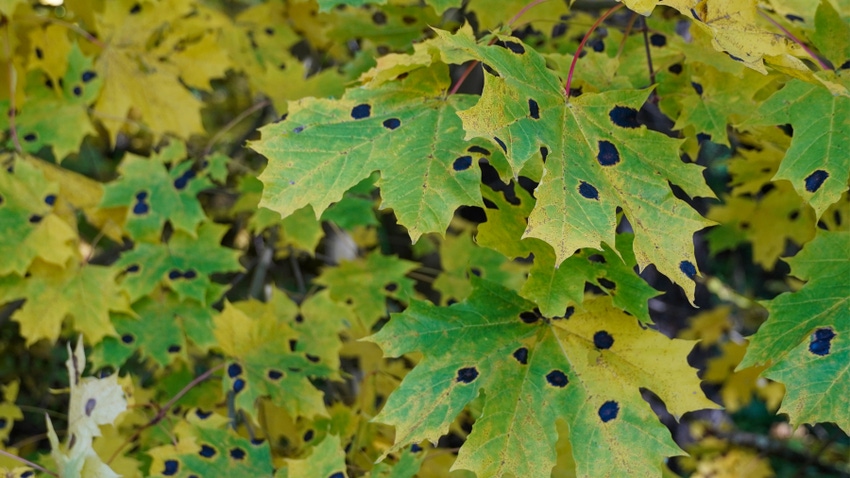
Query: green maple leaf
366, 284
558, 291
184, 265
209, 451
266, 363
806, 339
153, 194
85, 293
586, 370
832, 34
818, 161
327, 459
598, 159
28, 227
409, 131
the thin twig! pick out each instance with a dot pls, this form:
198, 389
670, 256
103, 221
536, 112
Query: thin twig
796, 40
165, 408
522, 11
13, 129
28, 463
296, 271
232, 123
627, 33
648, 56
581, 46
73, 27
258, 279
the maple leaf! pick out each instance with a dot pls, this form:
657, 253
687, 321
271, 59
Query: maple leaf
94, 402
84, 292
28, 228
806, 339
327, 459
598, 158
210, 451
586, 370
9, 412
262, 367
153, 194
184, 265
325, 147
818, 161
832, 34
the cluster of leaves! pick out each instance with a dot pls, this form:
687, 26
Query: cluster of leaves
445, 248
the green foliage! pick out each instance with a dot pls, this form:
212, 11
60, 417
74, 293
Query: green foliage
323, 238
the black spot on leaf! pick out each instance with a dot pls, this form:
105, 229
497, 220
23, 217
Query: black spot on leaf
173, 349
392, 123
238, 385
467, 374
298, 129
170, 467
697, 87
559, 30
190, 274
821, 341
88, 76
688, 268
533, 109
338, 474
475, 271
624, 117
202, 414
815, 180
657, 39
38, 53
78, 91
234, 370
794, 18
207, 451
521, 355
415, 448
794, 215
379, 18
596, 258
703, 137
675, 68
299, 318
292, 345
557, 378
489, 69
174, 274
610, 285
35, 219
361, 111
90, 404
694, 14
127, 338
569, 311
501, 144
132, 268
462, 163
183, 180
312, 358
603, 340
274, 374
237, 453
50, 199
544, 153
597, 44
135, 9
30, 137
479, 150
608, 154
587, 191
529, 317
609, 411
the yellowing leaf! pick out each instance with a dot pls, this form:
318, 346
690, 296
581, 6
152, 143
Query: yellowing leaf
326, 459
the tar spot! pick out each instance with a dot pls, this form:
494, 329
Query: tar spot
794, 18
501, 144
173, 349
596, 258
234, 370
603, 340
35, 219
544, 153
609, 411
140, 207
308, 435
529, 317
694, 14
127, 339
821, 341
815, 180
299, 318
703, 137
298, 129
557, 378
657, 39
515, 47
624, 117
489, 69
597, 44
30, 137
675, 68
588, 191
415, 448
608, 154
183, 180
559, 30
479, 150
408, 20
88, 76
132, 268
533, 109
462, 163
135, 9
207, 451
274, 374
190, 274
521, 355
171, 467
312, 358
90, 404
688, 268
467, 374
238, 385
174, 274
379, 18
361, 111
202, 414
50, 199
391, 287
338, 474
794, 215
237, 453
292, 345
569, 312
392, 123
697, 87
78, 91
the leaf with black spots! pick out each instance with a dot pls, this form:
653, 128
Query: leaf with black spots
806, 339
533, 374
